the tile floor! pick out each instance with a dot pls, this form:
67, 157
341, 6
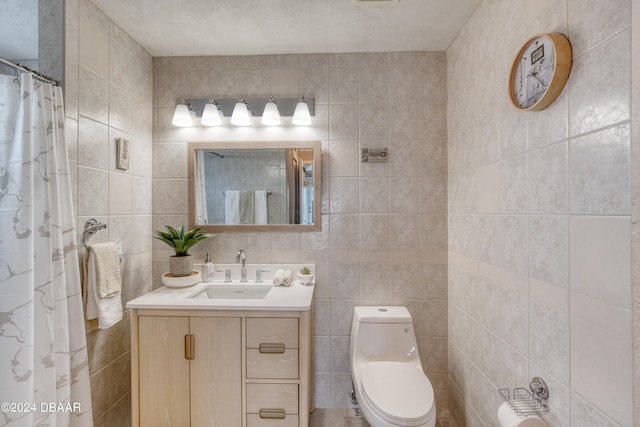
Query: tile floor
340, 417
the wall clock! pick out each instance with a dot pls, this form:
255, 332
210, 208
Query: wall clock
539, 71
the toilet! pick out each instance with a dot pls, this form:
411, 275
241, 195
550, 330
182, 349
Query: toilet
387, 375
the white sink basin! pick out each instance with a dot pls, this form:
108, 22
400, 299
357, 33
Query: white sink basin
233, 292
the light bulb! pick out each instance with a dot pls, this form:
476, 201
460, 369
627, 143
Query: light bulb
271, 115
212, 115
241, 115
182, 115
301, 115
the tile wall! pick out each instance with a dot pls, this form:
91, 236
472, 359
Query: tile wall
539, 218
108, 95
384, 226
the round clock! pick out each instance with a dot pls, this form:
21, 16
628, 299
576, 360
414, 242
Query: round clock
539, 71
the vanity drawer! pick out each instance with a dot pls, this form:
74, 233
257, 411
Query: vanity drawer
272, 396
289, 420
272, 365
272, 331
272, 348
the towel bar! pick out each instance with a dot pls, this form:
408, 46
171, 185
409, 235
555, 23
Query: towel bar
92, 226
269, 192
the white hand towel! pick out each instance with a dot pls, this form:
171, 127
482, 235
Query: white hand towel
232, 207
261, 206
287, 278
277, 279
107, 261
107, 310
246, 207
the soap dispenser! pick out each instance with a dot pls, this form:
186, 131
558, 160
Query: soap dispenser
208, 269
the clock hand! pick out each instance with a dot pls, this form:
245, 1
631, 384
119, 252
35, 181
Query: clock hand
535, 74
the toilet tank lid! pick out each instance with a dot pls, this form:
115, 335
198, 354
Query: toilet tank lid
382, 314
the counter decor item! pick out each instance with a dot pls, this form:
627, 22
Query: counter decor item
181, 281
305, 276
180, 264
208, 269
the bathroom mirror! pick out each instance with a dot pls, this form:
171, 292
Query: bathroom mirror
255, 186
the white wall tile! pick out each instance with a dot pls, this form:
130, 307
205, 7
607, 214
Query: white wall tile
577, 163
93, 98
120, 194
374, 232
92, 143
593, 21
515, 244
601, 258
514, 325
403, 195
602, 370
285, 82
549, 346
613, 318
584, 413
514, 194
549, 179
94, 48
549, 249
488, 179
592, 109
600, 172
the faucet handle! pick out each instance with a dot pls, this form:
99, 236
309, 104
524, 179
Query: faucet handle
259, 274
227, 275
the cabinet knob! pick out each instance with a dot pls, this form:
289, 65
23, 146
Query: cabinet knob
272, 413
271, 348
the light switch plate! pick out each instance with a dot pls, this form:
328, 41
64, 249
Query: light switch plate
123, 153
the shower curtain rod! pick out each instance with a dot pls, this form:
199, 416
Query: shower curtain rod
34, 73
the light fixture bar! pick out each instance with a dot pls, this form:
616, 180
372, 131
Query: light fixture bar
286, 106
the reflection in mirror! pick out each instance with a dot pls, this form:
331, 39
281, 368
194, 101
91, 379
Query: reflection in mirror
254, 186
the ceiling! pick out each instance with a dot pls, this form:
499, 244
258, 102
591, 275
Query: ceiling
243, 27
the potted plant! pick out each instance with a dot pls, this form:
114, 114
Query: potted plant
180, 264
305, 276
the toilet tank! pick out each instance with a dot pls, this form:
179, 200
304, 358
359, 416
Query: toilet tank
383, 333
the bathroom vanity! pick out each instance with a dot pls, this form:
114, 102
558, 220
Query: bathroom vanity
203, 357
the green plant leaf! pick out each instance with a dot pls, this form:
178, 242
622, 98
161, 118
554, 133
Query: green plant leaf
180, 241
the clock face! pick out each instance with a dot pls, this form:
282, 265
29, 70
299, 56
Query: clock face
533, 72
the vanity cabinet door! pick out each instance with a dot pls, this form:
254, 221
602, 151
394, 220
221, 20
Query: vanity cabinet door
164, 371
194, 381
216, 372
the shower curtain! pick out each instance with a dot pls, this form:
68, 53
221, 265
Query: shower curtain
44, 373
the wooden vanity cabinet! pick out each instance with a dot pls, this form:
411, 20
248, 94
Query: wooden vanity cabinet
221, 368
183, 386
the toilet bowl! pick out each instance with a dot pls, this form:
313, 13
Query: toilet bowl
387, 375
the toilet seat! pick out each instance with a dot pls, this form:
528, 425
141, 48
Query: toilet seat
399, 392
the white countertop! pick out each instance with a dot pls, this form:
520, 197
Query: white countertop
296, 297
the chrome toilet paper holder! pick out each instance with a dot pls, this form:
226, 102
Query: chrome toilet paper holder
532, 401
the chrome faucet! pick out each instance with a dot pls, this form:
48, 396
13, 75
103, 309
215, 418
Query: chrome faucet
243, 271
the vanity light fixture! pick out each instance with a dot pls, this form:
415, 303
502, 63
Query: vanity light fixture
271, 115
301, 115
241, 114
212, 114
182, 116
